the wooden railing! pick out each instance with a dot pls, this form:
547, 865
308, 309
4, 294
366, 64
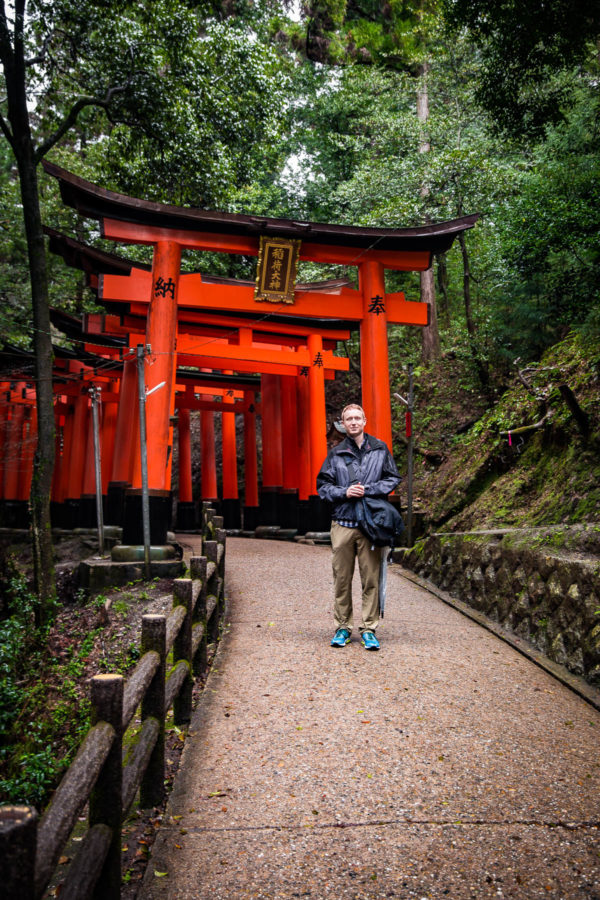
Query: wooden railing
101, 773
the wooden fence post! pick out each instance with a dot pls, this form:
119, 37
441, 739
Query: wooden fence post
182, 649
154, 637
209, 527
106, 797
211, 551
18, 840
221, 536
198, 573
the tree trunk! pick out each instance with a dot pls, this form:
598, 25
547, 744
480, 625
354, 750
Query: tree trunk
41, 484
430, 348
442, 280
466, 284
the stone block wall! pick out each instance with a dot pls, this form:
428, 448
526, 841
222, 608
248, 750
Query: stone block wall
542, 584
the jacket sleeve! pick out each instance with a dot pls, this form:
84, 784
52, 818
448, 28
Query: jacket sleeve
389, 480
327, 489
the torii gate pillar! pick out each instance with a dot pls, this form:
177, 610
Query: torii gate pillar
305, 485
272, 466
320, 517
375, 373
251, 508
232, 516
127, 433
288, 512
187, 514
161, 335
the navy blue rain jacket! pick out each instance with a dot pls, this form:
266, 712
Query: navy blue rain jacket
374, 468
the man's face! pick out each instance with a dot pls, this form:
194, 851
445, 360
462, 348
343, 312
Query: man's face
354, 422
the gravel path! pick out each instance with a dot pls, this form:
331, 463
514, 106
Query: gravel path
446, 765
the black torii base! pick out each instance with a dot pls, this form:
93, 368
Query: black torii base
187, 516
160, 503
232, 514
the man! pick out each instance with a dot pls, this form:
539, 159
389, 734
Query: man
360, 466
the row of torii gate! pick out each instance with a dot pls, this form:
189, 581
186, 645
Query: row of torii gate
209, 345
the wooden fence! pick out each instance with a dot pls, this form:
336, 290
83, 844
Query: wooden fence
101, 772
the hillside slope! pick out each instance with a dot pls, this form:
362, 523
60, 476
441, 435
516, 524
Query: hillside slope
542, 475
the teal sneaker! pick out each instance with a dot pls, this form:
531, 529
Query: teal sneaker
369, 641
340, 638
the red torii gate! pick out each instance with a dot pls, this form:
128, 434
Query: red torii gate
170, 229
244, 330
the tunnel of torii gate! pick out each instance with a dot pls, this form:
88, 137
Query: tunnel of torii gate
178, 315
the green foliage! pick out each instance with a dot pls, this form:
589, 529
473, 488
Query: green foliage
34, 768
547, 234
528, 51
393, 34
209, 125
17, 638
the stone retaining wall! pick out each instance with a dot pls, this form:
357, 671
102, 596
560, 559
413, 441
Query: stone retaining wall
542, 584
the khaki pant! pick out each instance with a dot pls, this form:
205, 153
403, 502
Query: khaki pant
347, 544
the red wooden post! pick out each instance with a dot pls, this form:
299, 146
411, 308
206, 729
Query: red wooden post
185, 456
4, 407
289, 438
250, 452
250, 465
161, 335
208, 463
289, 421
230, 480
374, 352
231, 504
316, 389
109, 426
77, 451
272, 475
59, 425
89, 472
272, 470
305, 485
12, 458
125, 425
29, 445
66, 454
208, 471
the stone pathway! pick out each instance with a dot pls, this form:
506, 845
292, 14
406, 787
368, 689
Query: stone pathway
446, 765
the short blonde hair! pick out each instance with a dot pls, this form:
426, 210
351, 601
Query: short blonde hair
352, 406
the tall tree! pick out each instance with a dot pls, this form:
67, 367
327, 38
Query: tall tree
64, 62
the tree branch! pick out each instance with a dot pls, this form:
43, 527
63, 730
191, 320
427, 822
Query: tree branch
40, 57
525, 428
73, 115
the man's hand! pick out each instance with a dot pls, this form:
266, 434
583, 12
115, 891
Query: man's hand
356, 490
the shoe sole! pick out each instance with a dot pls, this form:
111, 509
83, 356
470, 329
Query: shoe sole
369, 648
341, 645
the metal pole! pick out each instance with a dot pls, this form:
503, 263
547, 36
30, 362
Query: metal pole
409, 461
144, 457
95, 395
